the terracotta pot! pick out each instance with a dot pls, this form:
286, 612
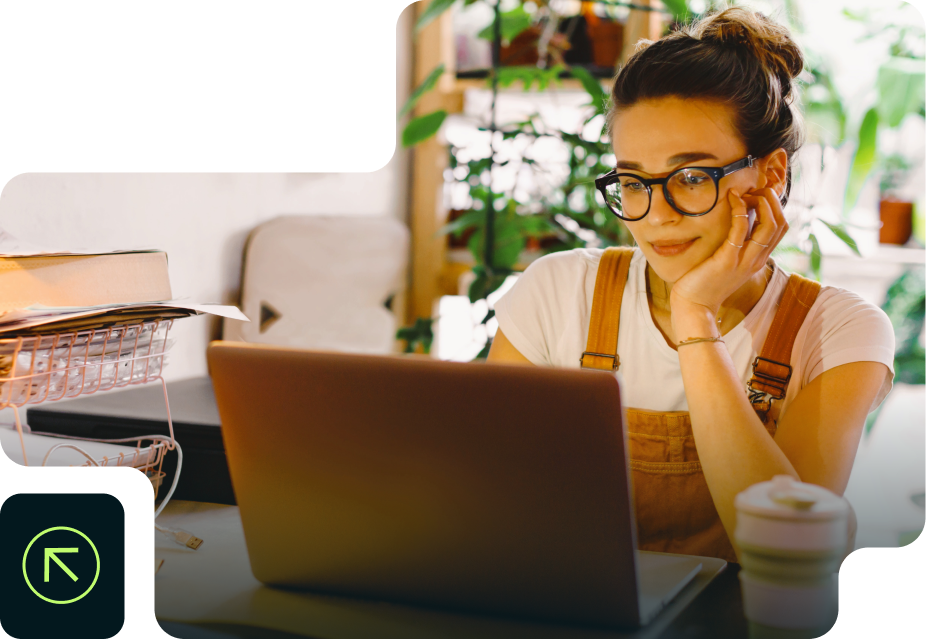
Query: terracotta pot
541, 243
896, 221
607, 42
522, 51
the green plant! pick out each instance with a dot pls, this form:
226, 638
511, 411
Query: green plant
900, 90
569, 215
422, 332
501, 222
905, 305
893, 169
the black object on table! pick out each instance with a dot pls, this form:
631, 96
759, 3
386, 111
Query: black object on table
140, 411
716, 613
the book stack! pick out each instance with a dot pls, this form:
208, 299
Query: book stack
72, 323
67, 292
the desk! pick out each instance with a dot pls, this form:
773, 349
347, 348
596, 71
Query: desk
211, 594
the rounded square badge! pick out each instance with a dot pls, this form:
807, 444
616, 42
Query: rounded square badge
62, 566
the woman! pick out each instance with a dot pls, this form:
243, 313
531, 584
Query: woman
733, 371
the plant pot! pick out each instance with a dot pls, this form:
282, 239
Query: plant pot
580, 45
607, 42
542, 243
522, 51
896, 221
454, 242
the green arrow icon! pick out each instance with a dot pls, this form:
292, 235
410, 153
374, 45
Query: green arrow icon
50, 553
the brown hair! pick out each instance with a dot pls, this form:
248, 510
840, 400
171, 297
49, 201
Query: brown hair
737, 57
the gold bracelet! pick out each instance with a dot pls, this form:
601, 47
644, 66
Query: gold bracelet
695, 340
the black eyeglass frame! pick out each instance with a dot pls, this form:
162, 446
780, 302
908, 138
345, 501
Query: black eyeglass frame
715, 172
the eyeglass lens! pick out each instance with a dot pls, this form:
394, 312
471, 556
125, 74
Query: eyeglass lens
691, 190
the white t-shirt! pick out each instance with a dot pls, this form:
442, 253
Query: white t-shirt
546, 314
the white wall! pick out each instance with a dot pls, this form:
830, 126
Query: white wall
201, 220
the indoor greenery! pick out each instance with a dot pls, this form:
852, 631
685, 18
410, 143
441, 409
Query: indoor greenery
571, 215
906, 308
900, 90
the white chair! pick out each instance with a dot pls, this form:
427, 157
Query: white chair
322, 282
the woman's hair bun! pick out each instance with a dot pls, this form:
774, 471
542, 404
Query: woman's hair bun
767, 41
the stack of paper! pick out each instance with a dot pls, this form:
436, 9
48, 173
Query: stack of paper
47, 290
44, 319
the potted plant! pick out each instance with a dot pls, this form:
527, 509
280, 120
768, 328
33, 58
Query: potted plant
606, 34
896, 213
526, 37
900, 90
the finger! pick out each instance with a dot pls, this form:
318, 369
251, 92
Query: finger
771, 197
765, 230
739, 222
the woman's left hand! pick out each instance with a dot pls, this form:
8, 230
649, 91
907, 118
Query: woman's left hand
705, 287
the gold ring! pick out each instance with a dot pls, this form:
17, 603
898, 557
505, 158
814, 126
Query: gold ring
754, 242
736, 245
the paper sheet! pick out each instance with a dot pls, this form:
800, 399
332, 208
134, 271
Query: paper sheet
10, 246
22, 319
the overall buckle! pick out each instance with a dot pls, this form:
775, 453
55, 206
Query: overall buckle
769, 378
616, 360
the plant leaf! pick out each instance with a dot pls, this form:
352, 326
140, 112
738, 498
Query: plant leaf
465, 221
434, 10
815, 257
864, 158
507, 247
592, 87
842, 234
429, 83
901, 87
421, 128
513, 23
679, 9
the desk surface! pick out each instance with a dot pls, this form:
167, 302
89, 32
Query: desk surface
211, 594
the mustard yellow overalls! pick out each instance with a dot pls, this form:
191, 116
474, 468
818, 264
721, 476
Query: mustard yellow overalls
673, 506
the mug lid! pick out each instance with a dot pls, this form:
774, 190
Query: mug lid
786, 498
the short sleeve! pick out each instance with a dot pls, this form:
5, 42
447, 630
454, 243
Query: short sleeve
844, 329
532, 315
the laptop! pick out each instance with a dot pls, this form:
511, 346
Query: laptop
483, 488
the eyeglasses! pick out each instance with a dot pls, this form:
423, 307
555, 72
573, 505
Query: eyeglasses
692, 190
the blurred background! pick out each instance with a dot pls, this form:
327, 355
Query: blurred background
499, 139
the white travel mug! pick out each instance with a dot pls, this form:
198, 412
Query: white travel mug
792, 537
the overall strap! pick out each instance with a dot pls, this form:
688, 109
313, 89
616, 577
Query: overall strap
601, 349
771, 370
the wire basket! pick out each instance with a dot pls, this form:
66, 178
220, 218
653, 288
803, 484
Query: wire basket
50, 367
55, 366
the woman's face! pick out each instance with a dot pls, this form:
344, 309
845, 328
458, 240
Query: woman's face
652, 139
